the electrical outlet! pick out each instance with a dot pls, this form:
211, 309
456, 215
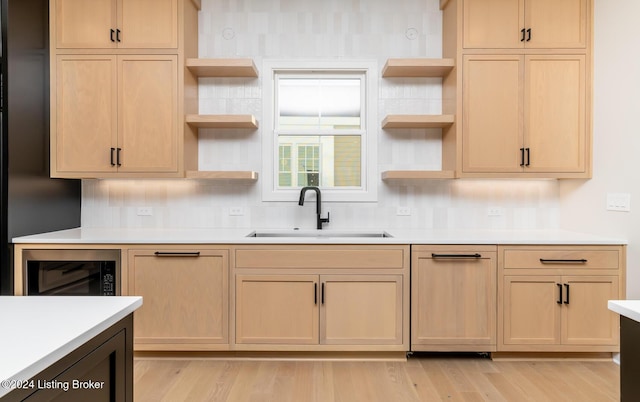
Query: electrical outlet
495, 211
619, 202
403, 211
236, 211
145, 211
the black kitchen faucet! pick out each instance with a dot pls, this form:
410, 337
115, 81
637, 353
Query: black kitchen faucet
318, 204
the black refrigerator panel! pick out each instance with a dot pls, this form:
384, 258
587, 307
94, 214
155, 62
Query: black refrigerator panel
32, 202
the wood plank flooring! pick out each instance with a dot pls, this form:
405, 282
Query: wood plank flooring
422, 378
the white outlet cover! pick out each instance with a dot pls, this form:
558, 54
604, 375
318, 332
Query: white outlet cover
236, 211
619, 202
403, 211
145, 211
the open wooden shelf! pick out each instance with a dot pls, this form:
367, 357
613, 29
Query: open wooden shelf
240, 175
417, 121
221, 120
222, 67
417, 67
409, 175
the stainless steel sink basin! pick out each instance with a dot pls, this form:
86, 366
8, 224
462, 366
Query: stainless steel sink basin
317, 233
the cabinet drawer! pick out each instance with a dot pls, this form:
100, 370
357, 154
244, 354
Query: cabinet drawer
561, 258
321, 257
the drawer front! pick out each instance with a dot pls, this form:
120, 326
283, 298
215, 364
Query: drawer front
561, 258
325, 257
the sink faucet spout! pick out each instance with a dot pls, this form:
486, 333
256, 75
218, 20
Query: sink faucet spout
320, 220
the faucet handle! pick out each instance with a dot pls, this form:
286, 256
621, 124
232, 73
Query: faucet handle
325, 220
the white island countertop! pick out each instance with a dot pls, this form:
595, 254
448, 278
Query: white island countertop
38, 331
327, 236
626, 308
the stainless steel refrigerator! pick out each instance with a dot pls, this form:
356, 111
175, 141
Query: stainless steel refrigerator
30, 201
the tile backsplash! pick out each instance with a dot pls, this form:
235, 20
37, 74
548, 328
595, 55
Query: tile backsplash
328, 29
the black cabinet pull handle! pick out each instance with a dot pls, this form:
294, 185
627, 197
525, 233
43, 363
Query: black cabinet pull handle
177, 254
118, 156
522, 32
559, 301
528, 35
566, 286
117, 35
112, 32
528, 157
476, 255
112, 152
315, 293
562, 261
322, 294
521, 156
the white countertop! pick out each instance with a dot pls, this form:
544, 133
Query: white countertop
38, 331
239, 236
627, 308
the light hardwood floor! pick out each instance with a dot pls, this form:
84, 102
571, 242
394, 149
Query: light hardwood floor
423, 378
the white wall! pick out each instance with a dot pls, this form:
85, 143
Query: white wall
616, 147
313, 29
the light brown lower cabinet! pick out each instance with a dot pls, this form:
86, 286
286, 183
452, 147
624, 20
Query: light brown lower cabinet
453, 300
319, 309
185, 298
290, 298
554, 299
560, 310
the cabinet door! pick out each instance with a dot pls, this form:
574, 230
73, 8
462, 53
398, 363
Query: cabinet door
555, 113
531, 313
277, 309
148, 113
556, 23
185, 298
493, 23
586, 320
85, 24
492, 106
85, 114
148, 23
453, 300
361, 309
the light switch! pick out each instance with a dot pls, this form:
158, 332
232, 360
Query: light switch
619, 202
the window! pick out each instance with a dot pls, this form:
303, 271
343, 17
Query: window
319, 130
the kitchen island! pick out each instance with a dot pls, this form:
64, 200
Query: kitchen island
629, 311
69, 347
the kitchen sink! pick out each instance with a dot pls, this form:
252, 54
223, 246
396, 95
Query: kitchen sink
317, 233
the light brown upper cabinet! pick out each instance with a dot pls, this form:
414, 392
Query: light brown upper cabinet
116, 24
524, 114
516, 24
115, 114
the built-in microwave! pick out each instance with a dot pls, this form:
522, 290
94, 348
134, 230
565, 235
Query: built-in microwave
77, 272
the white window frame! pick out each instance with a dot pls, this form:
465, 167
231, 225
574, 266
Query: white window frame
368, 191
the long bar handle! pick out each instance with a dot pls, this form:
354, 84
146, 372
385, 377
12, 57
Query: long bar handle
315, 293
559, 285
566, 300
563, 261
177, 253
113, 150
476, 255
322, 294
